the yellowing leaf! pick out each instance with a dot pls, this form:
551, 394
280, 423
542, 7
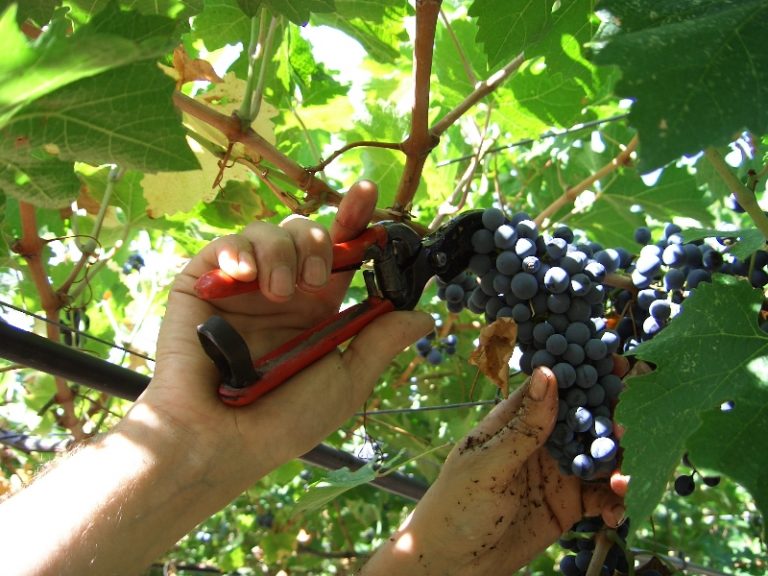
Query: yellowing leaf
167, 193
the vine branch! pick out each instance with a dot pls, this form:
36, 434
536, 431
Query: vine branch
30, 246
744, 195
420, 141
317, 190
570, 195
482, 89
346, 148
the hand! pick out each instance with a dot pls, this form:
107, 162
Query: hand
292, 263
500, 498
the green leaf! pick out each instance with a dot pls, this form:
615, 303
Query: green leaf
222, 22
697, 72
712, 352
39, 12
726, 442
535, 28
298, 11
123, 116
376, 24
38, 178
250, 7
111, 40
622, 207
750, 239
237, 205
335, 484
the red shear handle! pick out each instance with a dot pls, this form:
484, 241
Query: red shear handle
346, 255
306, 348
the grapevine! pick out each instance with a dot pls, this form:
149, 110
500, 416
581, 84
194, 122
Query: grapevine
555, 289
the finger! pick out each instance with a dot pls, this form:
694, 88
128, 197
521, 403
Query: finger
234, 256
501, 414
276, 260
619, 483
232, 253
620, 365
532, 424
355, 211
600, 500
313, 251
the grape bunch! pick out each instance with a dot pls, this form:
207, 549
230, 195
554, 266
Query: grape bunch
434, 349
581, 543
552, 288
665, 273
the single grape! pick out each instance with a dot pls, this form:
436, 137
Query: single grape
482, 241
565, 233
504, 237
525, 247
508, 263
661, 310
556, 344
602, 427
642, 235
595, 349
579, 419
583, 466
454, 293
685, 485
492, 218
524, 285
556, 248
602, 449
434, 356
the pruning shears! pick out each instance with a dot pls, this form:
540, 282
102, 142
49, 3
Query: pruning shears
403, 263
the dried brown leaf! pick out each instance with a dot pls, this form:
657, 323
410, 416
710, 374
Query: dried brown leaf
497, 343
192, 69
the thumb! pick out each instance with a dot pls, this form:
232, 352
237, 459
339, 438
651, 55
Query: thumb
532, 423
373, 349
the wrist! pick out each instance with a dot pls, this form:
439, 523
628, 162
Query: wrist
411, 551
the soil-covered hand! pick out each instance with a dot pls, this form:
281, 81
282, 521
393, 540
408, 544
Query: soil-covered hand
500, 498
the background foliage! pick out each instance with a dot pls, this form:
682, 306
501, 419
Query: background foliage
115, 128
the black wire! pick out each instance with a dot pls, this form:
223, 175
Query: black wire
549, 134
74, 330
427, 408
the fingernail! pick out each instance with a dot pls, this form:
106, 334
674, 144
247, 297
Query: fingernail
537, 388
246, 264
618, 512
315, 271
281, 281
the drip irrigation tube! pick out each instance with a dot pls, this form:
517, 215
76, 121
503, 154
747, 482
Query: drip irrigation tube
39, 353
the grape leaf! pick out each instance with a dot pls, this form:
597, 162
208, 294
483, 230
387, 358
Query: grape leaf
507, 28
297, 11
38, 178
222, 22
123, 116
735, 453
112, 39
335, 484
712, 352
38, 12
628, 197
237, 205
750, 239
697, 72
